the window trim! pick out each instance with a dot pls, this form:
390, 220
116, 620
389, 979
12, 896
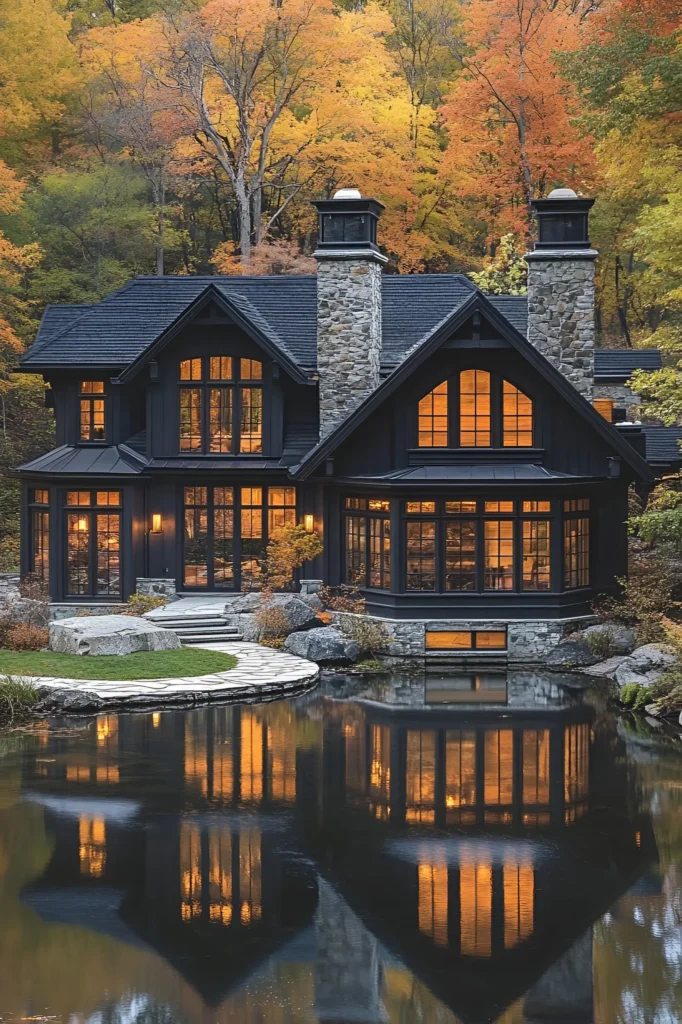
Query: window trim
362, 516
92, 509
88, 398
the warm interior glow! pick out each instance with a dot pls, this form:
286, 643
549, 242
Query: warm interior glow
309, 522
604, 407
433, 902
157, 526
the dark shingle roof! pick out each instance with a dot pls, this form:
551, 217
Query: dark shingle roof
663, 444
514, 308
121, 328
618, 363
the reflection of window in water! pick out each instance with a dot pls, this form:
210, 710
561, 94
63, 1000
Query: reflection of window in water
223, 753
433, 902
420, 776
281, 746
196, 755
498, 782
107, 730
230, 898
380, 771
460, 775
251, 757
475, 908
92, 846
576, 770
535, 766
478, 688
518, 881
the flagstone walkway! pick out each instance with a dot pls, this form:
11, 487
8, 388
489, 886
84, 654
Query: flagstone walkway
260, 674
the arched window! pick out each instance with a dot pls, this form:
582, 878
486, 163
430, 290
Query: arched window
433, 418
517, 417
474, 409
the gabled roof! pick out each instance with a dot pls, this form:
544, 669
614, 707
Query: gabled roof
118, 331
476, 302
663, 445
613, 364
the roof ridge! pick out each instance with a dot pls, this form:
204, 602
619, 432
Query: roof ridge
91, 306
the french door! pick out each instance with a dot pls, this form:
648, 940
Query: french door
225, 533
93, 544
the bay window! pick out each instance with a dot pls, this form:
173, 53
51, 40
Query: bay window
368, 543
576, 543
221, 405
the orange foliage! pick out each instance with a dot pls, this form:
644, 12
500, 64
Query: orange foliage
509, 116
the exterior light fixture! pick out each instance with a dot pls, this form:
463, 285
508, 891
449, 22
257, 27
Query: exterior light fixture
309, 522
156, 523
82, 525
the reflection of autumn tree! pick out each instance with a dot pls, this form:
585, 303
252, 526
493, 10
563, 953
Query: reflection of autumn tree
637, 945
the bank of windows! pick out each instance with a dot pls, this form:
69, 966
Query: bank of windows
40, 535
478, 548
221, 405
92, 413
93, 543
470, 405
368, 542
226, 530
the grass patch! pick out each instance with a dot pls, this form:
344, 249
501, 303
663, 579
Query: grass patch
17, 697
186, 661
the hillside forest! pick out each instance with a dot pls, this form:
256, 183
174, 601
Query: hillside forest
188, 137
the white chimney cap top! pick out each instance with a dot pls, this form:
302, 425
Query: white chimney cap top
348, 193
562, 193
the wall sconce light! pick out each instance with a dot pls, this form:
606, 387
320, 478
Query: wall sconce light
157, 526
83, 525
309, 522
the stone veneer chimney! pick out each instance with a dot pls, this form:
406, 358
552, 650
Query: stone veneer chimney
561, 287
348, 304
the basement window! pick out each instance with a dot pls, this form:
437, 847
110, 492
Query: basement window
466, 640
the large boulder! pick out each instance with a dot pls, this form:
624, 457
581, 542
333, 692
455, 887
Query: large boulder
645, 665
300, 614
325, 646
243, 604
290, 613
106, 635
614, 636
570, 654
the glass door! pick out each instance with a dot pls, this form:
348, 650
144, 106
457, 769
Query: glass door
93, 544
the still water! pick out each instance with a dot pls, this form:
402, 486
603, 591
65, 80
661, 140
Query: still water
454, 851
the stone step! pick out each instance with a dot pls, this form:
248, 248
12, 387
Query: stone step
206, 630
210, 638
192, 622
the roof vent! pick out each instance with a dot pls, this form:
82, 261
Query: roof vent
348, 193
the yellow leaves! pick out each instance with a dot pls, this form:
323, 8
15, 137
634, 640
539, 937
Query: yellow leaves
11, 189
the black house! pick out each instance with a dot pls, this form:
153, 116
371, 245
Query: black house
443, 443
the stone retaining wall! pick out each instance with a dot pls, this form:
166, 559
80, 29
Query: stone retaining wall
529, 640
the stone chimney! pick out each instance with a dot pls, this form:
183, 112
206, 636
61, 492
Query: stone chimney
561, 287
348, 304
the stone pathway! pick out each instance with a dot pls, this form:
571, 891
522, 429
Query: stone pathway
260, 674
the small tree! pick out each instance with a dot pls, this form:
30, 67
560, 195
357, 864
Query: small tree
507, 271
289, 547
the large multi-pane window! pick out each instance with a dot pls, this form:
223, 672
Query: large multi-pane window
536, 554
460, 554
475, 409
93, 543
421, 555
221, 405
368, 542
92, 410
226, 530
576, 543
40, 534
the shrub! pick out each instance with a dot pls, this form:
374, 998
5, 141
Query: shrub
342, 599
288, 548
17, 697
25, 612
140, 604
34, 587
272, 621
648, 594
25, 637
276, 642
369, 634
602, 644
9, 553
636, 696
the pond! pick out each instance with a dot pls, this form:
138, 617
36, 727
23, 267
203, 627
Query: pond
438, 849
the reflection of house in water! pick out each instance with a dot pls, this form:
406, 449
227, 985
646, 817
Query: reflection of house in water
475, 842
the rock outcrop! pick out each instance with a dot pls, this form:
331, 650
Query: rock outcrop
108, 635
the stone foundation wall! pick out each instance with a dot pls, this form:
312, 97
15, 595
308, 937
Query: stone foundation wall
561, 313
157, 588
529, 640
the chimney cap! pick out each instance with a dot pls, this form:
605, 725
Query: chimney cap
562, 193
348, 193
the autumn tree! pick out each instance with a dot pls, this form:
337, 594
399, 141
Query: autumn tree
510, 115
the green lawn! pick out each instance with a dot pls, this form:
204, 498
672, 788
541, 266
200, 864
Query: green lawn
187, 661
